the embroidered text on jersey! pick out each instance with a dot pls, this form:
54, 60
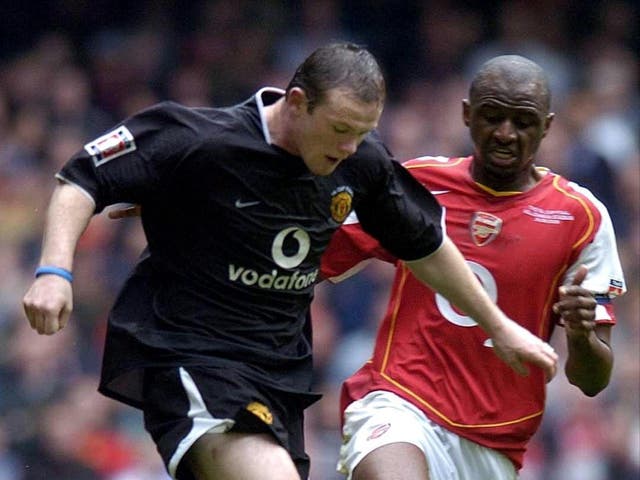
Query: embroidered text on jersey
547, 216
111, 145
484, 228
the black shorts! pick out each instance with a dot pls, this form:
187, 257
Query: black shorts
181, 404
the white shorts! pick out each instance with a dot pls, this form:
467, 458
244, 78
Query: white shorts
382, 418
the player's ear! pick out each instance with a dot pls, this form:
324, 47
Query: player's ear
297, 98
466, 111
547, 123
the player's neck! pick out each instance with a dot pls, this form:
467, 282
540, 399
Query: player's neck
278, 125
521, 182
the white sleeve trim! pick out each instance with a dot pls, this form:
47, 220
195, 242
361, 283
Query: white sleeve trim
69, 182
600, 256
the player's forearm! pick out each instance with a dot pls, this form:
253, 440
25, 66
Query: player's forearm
589, 363
67, 217
447, 272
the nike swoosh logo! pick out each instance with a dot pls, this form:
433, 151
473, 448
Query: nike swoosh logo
439, 192
241, 204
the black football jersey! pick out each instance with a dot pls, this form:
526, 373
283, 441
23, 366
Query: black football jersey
235, 229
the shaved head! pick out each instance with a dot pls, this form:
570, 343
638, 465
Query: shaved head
511, 72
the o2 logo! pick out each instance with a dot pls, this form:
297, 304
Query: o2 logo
277, 248
489, 284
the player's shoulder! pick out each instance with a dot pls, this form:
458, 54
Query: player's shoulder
568, 198
573, 194
168, 113
371, 159
372, 147
429, 166
167, 108
436, 161
202, 113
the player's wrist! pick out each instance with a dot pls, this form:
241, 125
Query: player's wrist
53, 270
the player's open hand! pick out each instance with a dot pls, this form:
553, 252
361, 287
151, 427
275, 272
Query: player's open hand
517, 347
576, 306
48, 304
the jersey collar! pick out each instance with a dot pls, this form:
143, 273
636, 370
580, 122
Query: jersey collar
267, 96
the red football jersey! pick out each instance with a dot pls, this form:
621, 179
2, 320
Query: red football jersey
521, 246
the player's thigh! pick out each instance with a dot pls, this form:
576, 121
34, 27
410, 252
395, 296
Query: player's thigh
476, 462
383, 438
183, 404
239, 456
395, 461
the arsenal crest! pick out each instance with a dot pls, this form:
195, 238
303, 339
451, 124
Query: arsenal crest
484, 228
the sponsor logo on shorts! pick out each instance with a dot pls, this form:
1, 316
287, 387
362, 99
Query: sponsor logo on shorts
261, 411
111, 145
341, 199
484, 227
378, 431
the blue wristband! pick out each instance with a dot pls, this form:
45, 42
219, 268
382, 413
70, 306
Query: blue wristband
61, 272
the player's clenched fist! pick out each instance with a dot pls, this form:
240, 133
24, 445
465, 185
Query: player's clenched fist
576, 306
48, 304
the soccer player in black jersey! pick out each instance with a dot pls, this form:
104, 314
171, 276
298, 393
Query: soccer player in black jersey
210, 335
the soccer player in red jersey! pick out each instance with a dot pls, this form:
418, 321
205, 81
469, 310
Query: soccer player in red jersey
433, 401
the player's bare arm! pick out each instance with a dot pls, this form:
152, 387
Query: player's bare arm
49, 301
590, 358
446, 272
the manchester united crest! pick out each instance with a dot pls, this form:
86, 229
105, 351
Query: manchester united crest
484, 228
341, 199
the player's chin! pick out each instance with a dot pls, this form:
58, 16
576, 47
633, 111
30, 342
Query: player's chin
327, 167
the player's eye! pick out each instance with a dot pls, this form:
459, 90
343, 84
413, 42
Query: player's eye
524, 122
492, 116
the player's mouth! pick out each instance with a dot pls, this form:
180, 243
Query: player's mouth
502, 156
333, 160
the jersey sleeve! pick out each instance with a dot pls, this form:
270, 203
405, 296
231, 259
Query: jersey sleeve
605, 277
349, 251
403, 216
130, 162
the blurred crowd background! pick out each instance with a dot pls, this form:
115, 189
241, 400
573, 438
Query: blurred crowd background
71, 69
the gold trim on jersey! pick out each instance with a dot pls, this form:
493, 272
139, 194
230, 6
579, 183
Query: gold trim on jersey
592, 222
392, 326
447, 419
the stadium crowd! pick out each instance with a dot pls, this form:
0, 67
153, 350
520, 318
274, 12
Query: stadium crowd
63, 82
